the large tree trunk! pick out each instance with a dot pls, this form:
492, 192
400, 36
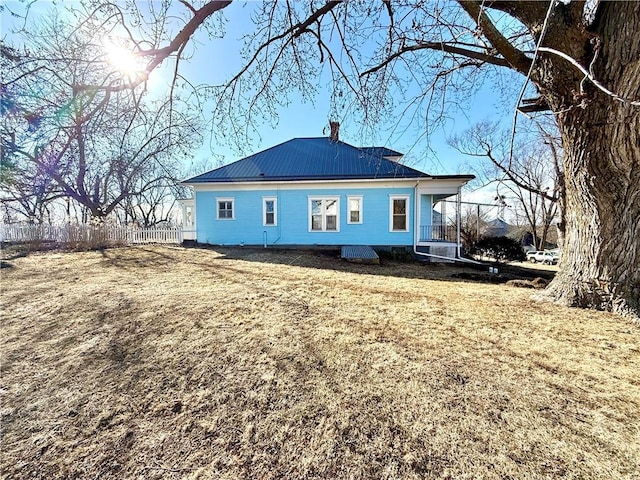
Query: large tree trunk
600, 265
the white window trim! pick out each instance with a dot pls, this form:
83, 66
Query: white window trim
310, 214
233, 207
354, 197
264, 211
391, 199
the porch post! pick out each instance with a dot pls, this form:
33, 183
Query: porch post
458, 207
443, 219
417, 213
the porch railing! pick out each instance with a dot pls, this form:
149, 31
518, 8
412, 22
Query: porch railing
438, 233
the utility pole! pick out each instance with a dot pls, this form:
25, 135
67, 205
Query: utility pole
478, 223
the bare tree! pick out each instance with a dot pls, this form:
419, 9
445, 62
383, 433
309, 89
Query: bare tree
532, 174
473, 224
580, 57
28, 192
98, 147
154, 205
538, 211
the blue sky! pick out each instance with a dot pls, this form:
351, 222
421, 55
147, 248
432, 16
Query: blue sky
214, 61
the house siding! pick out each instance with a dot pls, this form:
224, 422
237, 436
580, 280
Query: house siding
426, 209
292, 226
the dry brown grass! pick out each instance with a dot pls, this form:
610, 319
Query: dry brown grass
183, 363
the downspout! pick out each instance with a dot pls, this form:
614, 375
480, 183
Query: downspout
277, 239
416, 229
265, 243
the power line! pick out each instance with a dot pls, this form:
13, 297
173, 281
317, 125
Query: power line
588, 75
552, 4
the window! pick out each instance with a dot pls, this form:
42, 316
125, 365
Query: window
269, 211
354, 205
398, 219
225, 208
323, 214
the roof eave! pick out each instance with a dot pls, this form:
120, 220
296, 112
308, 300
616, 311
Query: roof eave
464, 178
453, 177
304, 179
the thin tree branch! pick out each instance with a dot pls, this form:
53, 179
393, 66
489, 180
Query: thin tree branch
295, 31
445, 47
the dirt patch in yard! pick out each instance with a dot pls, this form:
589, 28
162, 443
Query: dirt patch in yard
189, 363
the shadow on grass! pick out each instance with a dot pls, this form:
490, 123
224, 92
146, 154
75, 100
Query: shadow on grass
148, 257
143, 257
329, 259
11, 252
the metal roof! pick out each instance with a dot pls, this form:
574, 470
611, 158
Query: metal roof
381, 151
312, 159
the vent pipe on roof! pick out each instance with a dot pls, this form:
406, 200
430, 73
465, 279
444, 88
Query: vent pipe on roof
335, 128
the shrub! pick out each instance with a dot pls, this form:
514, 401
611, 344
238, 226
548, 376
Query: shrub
503, 249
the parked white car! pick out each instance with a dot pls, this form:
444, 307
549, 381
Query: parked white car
544, 257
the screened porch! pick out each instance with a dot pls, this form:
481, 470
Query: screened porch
437, 219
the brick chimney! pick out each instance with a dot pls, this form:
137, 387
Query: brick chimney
335, 128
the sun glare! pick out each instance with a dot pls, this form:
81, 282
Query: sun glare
124, 61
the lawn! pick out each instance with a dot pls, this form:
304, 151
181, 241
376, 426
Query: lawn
158, 362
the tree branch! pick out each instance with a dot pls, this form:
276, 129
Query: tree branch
295, 31
445, 47
516, 58
161, 54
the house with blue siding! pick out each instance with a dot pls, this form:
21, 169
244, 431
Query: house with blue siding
322, 192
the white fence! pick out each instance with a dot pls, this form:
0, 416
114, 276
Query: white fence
89, 234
